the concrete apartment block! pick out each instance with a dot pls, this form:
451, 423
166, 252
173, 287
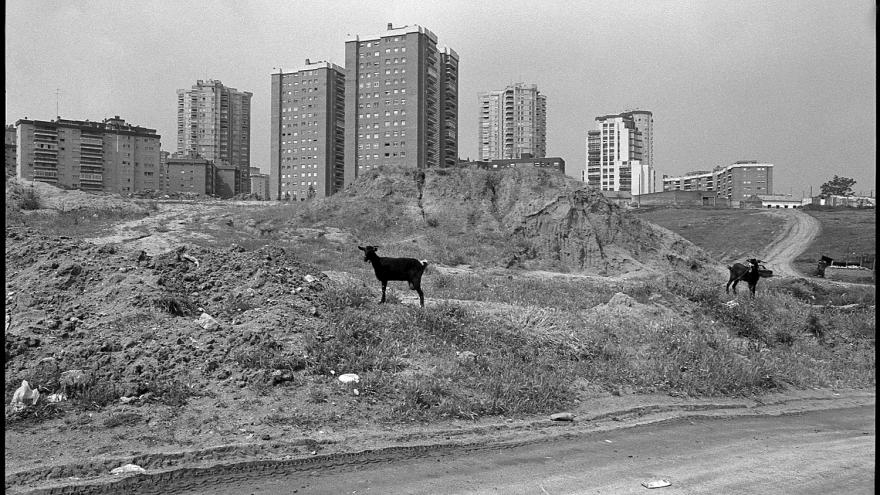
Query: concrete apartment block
401, 101
190, 174
734, 182
307, 150
215, 121
106, 156
513, 123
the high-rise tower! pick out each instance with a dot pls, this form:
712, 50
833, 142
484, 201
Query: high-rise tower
214, 121
401, 101
308, 132
513, 123
620, 153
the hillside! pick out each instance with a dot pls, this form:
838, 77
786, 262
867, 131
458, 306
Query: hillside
526, 218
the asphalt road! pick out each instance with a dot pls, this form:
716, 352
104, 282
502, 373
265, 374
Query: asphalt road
816, 452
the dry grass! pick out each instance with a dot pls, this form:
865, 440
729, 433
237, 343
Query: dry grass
703, 225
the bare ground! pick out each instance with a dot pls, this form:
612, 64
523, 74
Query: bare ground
55, 457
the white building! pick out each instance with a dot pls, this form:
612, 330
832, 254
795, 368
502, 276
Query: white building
616, 159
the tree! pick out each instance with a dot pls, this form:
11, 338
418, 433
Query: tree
839, 186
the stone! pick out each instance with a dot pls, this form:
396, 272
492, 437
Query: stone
208, 322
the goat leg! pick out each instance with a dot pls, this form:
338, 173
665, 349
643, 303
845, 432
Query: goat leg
384, 284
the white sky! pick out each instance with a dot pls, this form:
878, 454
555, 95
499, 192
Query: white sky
792, 83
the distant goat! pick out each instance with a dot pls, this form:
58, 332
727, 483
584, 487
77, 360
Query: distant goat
404, 269
750, 274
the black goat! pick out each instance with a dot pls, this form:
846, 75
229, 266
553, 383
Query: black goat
404, 269
750, 274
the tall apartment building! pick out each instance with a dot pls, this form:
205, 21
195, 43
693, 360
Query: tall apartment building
401, 99
9, 150
108, 156
735, 182
513, 123
215, 122
308, 132
620, 153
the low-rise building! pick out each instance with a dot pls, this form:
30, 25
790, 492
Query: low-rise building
734, 182
844, 201
553, 162
780, 201
190, 175
680, 198
259, 184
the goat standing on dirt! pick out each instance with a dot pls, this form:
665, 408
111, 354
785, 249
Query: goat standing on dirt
749, 274
404, 269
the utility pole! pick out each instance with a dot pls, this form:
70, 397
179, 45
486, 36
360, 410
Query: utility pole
58, 103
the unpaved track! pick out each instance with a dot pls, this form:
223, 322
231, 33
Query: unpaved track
812, 452
818, 452
797, 233
796, 442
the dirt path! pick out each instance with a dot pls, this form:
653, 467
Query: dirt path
798, 232
810, 442
813, 453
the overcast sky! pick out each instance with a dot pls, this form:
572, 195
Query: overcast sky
787, 82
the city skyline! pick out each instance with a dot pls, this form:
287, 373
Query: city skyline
789, 83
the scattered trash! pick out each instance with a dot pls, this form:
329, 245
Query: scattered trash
608, 441
566, 416
58, 397
126, 400
466, 356
356, 392
731, 304
128, 468
655, 484
190, 259
349, 378
25, 392
309, 279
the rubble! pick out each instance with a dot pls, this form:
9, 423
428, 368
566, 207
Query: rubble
122, 325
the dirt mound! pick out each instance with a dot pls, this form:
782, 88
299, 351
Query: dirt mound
544, 219
49, 197
585, 231
129, 321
